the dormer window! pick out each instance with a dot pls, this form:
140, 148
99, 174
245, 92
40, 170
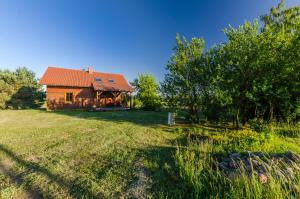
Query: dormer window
111, 81
98, 79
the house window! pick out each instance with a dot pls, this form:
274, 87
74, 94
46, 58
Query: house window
111, 81
98, 79
69, 97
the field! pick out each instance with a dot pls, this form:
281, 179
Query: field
77, 154
74, 154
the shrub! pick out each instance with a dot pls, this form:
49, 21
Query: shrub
248, 140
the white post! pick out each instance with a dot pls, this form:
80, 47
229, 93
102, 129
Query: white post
171, 118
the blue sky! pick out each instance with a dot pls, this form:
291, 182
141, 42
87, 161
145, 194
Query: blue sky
124, 36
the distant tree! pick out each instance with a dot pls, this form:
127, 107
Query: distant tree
19, 89
147, 91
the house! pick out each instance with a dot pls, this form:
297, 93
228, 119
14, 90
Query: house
75, 89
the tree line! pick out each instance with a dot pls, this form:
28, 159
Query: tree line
255, 74
19, 89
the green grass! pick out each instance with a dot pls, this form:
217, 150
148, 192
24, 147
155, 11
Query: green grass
74, 154
197, 160
78, 154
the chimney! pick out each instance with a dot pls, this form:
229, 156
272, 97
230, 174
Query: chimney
90, 70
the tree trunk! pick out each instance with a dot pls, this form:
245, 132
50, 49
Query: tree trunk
237, 117
233, 120
130, 101
271, 113
193, 117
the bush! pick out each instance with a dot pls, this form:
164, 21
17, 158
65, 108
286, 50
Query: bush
237, 140
248, 140
257, 124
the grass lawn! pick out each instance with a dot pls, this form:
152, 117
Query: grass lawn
78, 154
73, 154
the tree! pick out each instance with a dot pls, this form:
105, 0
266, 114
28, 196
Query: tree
215, 98
255, 74
186, 82
19, 89
260, 67
279, 58
147, 91
240, 67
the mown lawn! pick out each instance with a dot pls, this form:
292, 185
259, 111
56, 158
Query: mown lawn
77, 154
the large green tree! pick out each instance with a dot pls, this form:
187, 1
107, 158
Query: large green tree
240, 67
186, 82
280, 57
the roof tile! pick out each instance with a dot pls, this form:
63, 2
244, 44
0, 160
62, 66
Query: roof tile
78, 78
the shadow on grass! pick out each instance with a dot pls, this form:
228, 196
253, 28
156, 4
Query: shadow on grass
31, 192
160, 163
145, 118
74, 189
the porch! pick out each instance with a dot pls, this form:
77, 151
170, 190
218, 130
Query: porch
103, 109
112, 100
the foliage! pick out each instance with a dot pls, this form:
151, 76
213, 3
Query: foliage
147, 91
19, 89
186, 81
255, 74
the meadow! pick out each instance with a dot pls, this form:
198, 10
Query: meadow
79, 154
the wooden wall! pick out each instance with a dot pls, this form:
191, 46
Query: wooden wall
82, 98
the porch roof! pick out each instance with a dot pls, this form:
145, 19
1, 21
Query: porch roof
107, 86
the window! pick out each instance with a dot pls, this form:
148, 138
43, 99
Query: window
69, 97
98, 79
111, 81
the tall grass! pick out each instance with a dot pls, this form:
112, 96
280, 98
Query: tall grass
200, 172
198, 165
286, 129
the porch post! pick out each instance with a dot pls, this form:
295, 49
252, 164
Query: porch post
98, 94
97, 99
130, 98
115, 94
114, 101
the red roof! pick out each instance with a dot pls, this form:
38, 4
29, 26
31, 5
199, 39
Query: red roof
78, 78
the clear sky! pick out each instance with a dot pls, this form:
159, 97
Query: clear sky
124, 36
